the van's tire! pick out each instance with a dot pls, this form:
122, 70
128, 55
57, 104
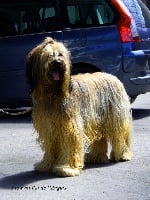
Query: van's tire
132, 99
81, 69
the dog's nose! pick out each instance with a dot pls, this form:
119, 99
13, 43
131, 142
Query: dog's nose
57, 63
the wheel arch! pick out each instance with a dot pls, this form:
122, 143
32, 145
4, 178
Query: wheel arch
82, 67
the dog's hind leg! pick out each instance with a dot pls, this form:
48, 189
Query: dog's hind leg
97, 152
121, 147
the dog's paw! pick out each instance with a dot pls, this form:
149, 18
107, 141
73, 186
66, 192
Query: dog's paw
66, 171
126, 156
42, 166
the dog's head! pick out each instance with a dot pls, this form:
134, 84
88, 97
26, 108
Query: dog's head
48, 63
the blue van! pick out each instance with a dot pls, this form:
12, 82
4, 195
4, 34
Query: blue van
112, 36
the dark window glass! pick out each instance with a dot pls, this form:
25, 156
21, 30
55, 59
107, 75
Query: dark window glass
26, 17
89, 13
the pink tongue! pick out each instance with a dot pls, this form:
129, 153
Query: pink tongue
56, 76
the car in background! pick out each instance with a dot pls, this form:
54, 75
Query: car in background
111, 36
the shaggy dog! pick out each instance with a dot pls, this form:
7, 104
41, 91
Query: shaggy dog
76, 116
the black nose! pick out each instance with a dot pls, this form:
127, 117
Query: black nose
57, 63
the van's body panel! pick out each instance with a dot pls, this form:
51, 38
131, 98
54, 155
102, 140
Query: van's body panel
111, 36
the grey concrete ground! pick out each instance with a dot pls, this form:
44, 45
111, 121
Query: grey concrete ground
124, 180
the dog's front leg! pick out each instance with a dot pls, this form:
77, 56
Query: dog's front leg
70, 160
46, 164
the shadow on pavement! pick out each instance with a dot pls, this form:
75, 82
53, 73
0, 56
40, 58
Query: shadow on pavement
140, 113
100, 165
26, 118
23, 179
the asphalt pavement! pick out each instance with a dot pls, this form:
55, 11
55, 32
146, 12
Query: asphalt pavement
114, 181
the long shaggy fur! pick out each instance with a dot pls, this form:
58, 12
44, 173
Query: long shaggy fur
76, 116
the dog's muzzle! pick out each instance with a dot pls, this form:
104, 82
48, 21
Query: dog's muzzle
57, 69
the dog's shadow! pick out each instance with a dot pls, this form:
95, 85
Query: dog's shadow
24, 178
99, 165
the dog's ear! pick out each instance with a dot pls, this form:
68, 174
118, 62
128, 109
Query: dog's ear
30, 71
32, 68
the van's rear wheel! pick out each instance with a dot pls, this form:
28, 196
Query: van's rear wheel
83, 68
132, 99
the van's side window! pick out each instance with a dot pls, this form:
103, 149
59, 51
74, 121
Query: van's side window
26, 17
88, 13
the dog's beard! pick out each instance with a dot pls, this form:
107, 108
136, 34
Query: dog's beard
55, 77
56, 74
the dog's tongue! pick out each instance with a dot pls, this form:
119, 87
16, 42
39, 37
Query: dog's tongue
56, 76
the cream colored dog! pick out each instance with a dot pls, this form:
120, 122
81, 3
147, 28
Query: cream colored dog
76, 116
